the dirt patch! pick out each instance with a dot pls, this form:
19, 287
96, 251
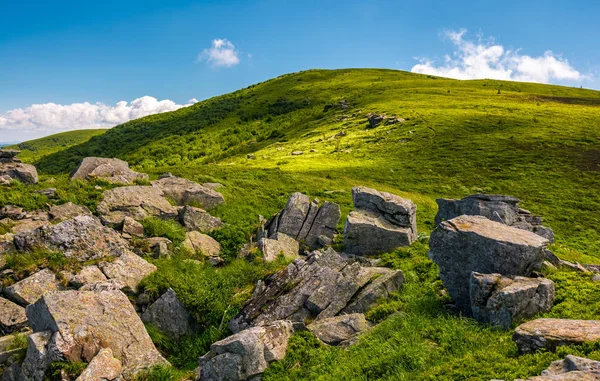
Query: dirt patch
590, 161
571, 100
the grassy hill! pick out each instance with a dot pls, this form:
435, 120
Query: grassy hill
540, 143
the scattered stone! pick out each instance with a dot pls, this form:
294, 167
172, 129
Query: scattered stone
551, 333
502, 301
380, 222
572, 368
246, 355
170, 316
30, 289
12, 317
132, 228
297, 153
312, 150
185, 192
279, 244
573, 266
111, 170
128, 269
109, 285
48, 192
68, 210
473, 243
198, 219
103, 367
88, 275
13, 212
394, 120
375, 119
83, 322
251, 156
339, 329
137, 202
201, 243
499, 208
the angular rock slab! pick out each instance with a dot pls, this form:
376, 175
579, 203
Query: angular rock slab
246, 355
12, 317
104, 367
128, 270
201, 243
68, 210
279, 244
169, 315
25, 173
137, 202
84, 322
198, 219
30, 289
111, 170
339, 329
185, 192
551, 333
88, 275
502, 301
473, 243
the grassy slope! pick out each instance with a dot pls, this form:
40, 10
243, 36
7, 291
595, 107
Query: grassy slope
540, 143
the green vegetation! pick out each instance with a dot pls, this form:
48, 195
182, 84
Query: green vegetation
156, 227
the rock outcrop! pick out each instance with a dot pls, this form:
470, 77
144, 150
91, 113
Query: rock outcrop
111, 170
502, 301
12, 168
551, 333
137, 202
186, 192
304, 221
198, 219
499, 208
169, 315
280, 244
380, 222
316, 288
339, 330
245, 355
474, 243
30, 289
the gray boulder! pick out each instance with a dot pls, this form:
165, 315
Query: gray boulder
132, 228
103, 367
88, 275
25, 173
473, 243
39, 357
169, 315
137, 202
499, 208
571, 368
198, 219
551, 333
341, 329
111, 170
201, 243
185, 192
502, 301
279, 244
12, 317
382, 283
67, 210
380, 222
30, 289
128, 270
247, 354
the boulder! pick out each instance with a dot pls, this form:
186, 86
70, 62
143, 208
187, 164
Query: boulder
137, 202
572, 368
39, 356
551, 333
68, 210
473, 243
185, 192
12, 317
279, 244
129, 270
103, 367
382, 283
246, 355
30, 289
502, 301
81, 323
375, 119
88, 275
169, 315
201, 243
380, 222
198, 219
13, 212
82, 237
339, 329
25, 173
313, 289
132, 228
499, 208
111, 170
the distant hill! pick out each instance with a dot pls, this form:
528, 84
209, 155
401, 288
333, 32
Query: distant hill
6, 144
33, 150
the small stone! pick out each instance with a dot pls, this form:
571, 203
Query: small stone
297, 153
335, 330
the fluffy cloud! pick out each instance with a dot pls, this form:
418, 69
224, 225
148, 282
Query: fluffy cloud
486, 59
222, 53
52, 117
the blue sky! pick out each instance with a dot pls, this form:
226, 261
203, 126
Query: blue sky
159, 52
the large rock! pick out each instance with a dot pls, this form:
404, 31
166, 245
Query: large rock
83, 322
380, 222
129, 270
185, 192
39, 357
304, 221
137, 202
551, 333
473, 243
201, 243
67, 210
111, 170
279, 244
312, 289
25, 173
246, 355
383, 282
103, 367
12, 317
339, 329
30, 289
88, 275
169, 315
499, 208
82, 237
502, 301
198, 219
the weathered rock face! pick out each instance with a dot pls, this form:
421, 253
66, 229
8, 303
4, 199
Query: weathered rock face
380, 222
279, 244
104, 367
12, 317
68, 210
30, 289
304, 221
246, 355
339, 329
132, 228
11, 168
39, 357
137, 202
169, 315
83, 322
473, 243
501, 301
111, 170
572, 368
129, 270
185, 191
499, 208
315, 288
198, 219
88, 275
82, 237
202, 243
551, 333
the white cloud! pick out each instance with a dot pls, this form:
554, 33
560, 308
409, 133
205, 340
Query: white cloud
484, 58
221, 53
53, 118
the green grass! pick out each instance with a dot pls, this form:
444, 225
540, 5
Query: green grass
156, 227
